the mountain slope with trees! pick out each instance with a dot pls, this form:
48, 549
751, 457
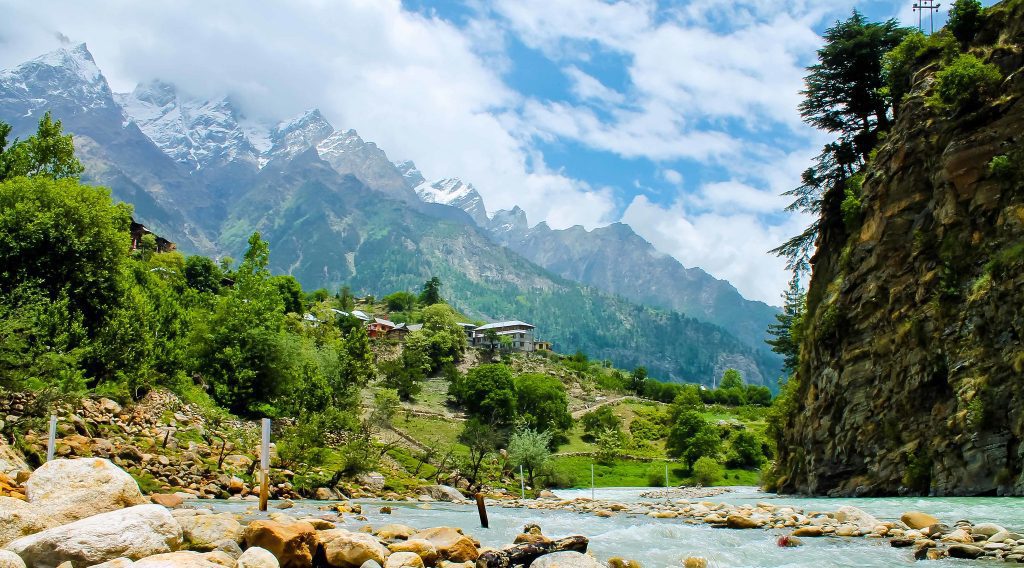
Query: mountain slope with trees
297, 184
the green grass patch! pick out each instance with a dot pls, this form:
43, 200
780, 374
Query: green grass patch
574, 471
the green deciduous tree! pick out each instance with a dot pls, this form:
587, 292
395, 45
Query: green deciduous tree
731, 379
600, 420
202, 274
49, 153
543, 405
746, 450
59, 237
488, 393
707, 471
531, 449
482, 440
290, 291
691, 437
401, 301
637, 379
240, 347
443, 336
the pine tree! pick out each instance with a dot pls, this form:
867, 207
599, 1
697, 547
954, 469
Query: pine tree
785, 331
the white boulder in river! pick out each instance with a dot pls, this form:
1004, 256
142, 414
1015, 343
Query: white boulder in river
135, 532
63, 491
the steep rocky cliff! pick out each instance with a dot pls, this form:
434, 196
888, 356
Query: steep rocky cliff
912, 365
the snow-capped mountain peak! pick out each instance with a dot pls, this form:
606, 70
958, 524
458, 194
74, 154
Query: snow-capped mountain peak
66, 78
294, 136
195, 132
455, 193
412, 175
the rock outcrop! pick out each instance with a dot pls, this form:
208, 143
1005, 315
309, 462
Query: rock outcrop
913, 351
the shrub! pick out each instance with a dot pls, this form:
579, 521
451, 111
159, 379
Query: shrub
707, 471
851, 205
963, 83
999, 167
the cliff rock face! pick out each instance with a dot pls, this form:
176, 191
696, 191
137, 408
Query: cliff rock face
912, 367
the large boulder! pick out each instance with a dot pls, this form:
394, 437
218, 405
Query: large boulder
18, 519
566, 559
346, 549
968, 551
404, 560
918, 520
741, 522
9, 559
134, 533
418, 546
65, 491
451, 544
395, 532
203, 532
293, 544
863, 520
257, 557
443, 493
182, 559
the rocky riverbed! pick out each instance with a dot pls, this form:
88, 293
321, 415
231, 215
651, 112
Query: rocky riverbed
89, 512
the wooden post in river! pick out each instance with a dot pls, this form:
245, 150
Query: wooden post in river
265, 465
481, 508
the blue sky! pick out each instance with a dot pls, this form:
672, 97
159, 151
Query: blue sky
678, 117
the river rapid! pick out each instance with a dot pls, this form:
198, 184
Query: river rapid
666, 542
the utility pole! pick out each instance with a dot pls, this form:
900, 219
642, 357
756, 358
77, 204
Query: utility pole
920, 6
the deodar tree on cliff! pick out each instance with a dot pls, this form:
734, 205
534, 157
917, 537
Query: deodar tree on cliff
845, 95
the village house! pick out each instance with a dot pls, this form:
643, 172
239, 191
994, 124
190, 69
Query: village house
519, 336
380, 328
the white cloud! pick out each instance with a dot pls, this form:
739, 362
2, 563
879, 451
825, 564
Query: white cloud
588, 88
671, 176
